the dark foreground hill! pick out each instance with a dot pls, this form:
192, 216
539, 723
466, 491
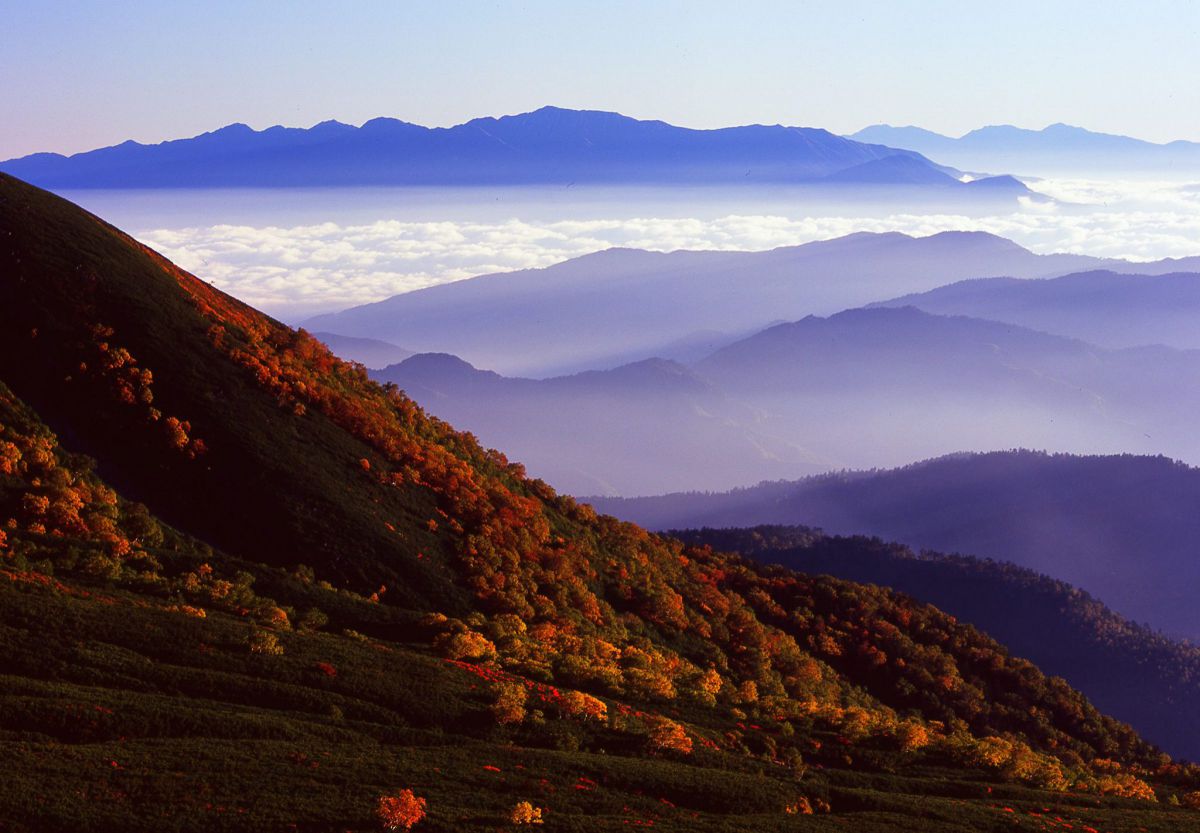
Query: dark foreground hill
328, 606
1124, 528
1127, 669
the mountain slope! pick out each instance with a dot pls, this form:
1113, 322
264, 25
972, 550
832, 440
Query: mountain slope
1127, 669
165, 376
622, 305
538, 599
1122, 528
550, 145
644, 428
898, 169
1105, 308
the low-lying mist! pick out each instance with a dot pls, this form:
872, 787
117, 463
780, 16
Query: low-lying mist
299, 254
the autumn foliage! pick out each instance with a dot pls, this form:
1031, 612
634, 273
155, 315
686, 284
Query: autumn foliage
667, 736
400, 811
525, 813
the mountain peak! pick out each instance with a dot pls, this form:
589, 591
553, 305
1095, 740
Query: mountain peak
982, 239
235, 129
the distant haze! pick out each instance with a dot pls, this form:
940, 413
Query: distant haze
863, 388
1105, 308
1055, 150
622, 305
297, 253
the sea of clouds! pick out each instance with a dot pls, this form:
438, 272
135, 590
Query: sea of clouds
297, 270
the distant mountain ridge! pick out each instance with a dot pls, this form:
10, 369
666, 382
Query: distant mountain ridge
1112, 309
641, 428
1059, 147
550, 145
865, 387
882, 386
621, 305
368, 352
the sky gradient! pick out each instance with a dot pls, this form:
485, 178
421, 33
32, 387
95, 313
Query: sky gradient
80, 75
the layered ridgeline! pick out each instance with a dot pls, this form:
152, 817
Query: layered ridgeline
365, 613
884, 386
863, 388
1107, 308
622, 305
1127, 669
548, 146
644, 428
1121, 527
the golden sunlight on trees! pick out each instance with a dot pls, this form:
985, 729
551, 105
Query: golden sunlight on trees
912, 735
510, 702
400, 811
667, 736
1125, 785
708, 686
525, 813
465, 645
584, 706
800, 807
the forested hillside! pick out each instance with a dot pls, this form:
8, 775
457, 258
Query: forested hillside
1127, 669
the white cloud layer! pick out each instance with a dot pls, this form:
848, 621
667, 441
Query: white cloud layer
299, 270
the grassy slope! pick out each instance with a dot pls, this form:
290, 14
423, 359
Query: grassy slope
158, 721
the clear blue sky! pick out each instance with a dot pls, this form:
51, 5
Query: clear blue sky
77, 75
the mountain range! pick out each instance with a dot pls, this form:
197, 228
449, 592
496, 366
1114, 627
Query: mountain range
1121, 527
863, 388
245, 587
548, 146
883, 386
622, 305
1059, 148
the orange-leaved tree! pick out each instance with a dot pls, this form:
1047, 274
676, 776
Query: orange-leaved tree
400, 811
